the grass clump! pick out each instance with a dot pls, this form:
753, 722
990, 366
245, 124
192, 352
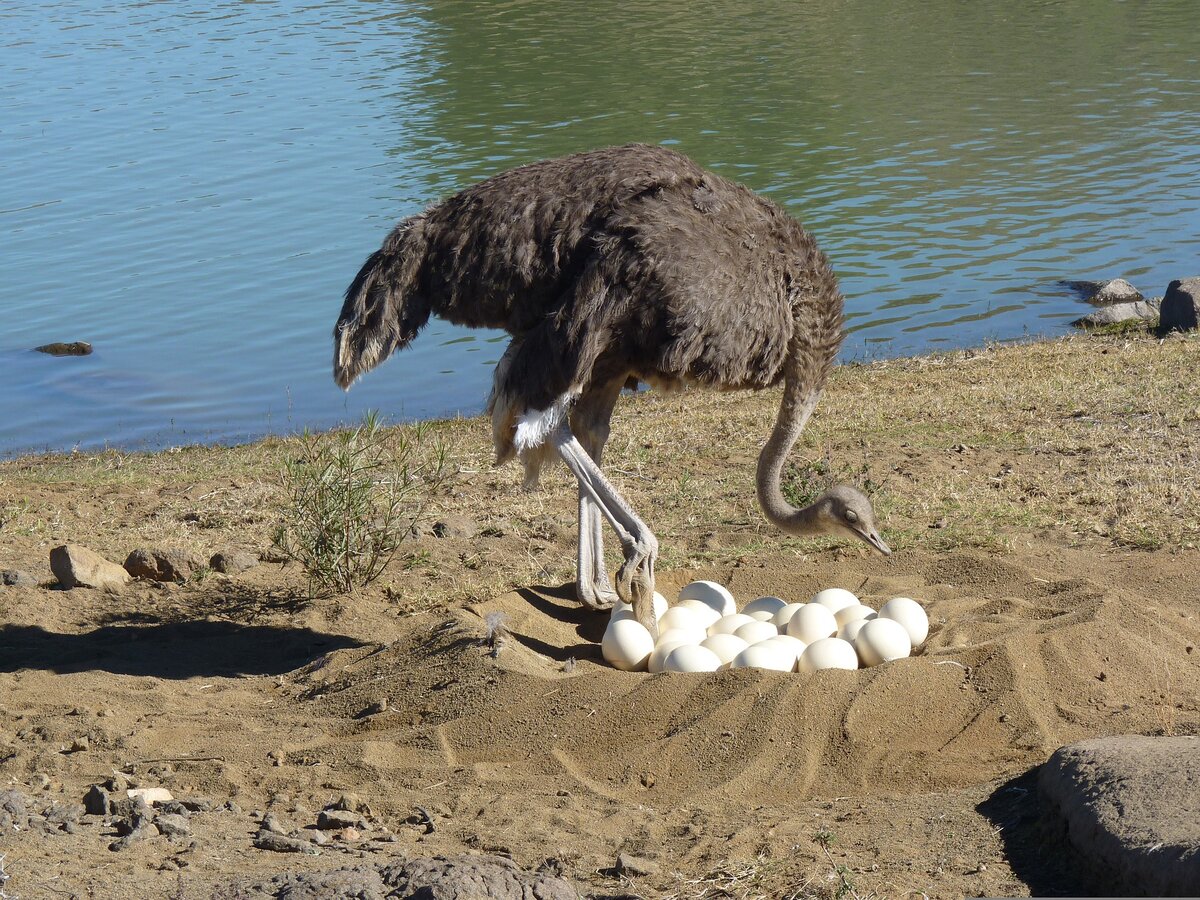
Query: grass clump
352, 498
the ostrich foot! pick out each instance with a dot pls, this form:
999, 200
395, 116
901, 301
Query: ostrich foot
635, 580
597, 595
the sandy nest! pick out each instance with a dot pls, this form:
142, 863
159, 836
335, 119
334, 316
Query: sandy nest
530, 746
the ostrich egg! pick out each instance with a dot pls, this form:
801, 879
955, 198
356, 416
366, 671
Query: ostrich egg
769, 605
784, 615
623, 610
627, 645
828, 653
834, 599
911, 615
705, 613
753, 632
692, 658
729, 624
765, 656
726, 646
850, 630
681, 617
812, 622
853, 613
710, 594
792, 645
882, 640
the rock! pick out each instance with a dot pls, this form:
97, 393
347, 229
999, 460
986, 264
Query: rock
150, 795
164, 565
1181, 305
173, 825
80, 745
95, 801
16, 578
75, 566
455, 527
349, 835
271, 823
281, 843
61, 348
1117, 291
136, 826
1118, 312
472, 877
232, 562
337, 819
628, 864
1131, 807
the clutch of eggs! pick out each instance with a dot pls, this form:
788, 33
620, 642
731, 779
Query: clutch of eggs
704, 631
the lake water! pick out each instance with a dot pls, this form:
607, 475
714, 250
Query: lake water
190, 186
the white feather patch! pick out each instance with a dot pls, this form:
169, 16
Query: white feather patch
535, 426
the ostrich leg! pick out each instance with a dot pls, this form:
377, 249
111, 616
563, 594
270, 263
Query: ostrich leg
635, 580
590, 421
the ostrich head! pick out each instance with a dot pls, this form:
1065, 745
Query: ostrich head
845, 511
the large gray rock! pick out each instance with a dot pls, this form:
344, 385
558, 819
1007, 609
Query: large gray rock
1118, 312
1117, 291
232, 562
75, 566
1181, 305
164, 565
1131, 808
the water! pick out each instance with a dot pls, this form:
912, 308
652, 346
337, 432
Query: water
191, 186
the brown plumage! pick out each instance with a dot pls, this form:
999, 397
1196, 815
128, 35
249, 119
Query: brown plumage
622, 264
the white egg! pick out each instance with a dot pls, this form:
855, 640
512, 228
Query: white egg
834, 599
853, 613
681, 617
911, 615
784, 615
761, 615
753, 632
705, 613
850, 630
658, 659
627, 645
882, 640
623, 610
764, 656
811, 623
683, 634
711, 594
726, 646
692, 658
787, 643
729, 624
828, 653
770, 604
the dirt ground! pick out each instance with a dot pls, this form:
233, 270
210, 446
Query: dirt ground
245, 697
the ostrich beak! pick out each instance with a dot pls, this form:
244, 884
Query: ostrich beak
874, 540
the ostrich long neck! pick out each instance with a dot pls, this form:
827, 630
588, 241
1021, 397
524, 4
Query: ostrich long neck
799, 400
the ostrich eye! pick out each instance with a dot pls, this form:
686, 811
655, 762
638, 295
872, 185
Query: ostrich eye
851, 516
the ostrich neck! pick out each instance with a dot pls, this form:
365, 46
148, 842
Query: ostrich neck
798, 403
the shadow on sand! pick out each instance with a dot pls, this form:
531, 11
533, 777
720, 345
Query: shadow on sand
560, 603
171, 650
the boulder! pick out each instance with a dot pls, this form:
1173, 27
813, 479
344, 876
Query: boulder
1117, 291
75, 566
232, 562
1181, 305
163, 565
1130, 805
1118, 312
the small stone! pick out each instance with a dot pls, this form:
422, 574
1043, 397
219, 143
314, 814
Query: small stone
17, 578
349, 835
455, 527
80, 744
95, 801
65, 348
351, 802
41, 780
334, 819
150, 795
320, 838
75, 566
271, 823
1181, 305
232, 562
276, 757
106, 714
379, 706
628, 864
173, 825
164, 565
1117, 291
281, 843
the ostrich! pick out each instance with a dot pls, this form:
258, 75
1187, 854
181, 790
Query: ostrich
609, 268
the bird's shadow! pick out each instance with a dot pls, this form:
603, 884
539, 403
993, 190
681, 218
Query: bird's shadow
560, 603
1039, 854
172, 650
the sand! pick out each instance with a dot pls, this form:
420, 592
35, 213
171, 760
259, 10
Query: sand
532, 747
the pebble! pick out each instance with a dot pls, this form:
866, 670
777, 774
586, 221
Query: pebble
280, 843
80, 744
173, 825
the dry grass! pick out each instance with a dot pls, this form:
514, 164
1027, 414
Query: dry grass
1093, 439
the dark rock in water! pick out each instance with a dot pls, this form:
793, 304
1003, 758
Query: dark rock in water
1181, 305
61, 348
16, 578
1118, 312
163, 565
232, 562
1130, 806
1117, 291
